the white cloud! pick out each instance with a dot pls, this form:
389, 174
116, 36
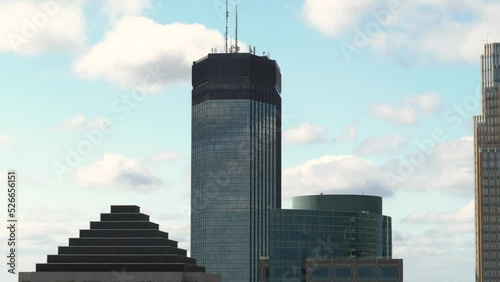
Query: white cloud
395, 115
428, 102
332, 17
4, 139
456, 151
335, 174
447, 166
381, 144
151, 59
464, 215
305, 133
349, 135
80, 122
98, 122
32, 27
116, 9
75, 122
445, 234
406, 114
45, 228
445, 30
164, 156
106, 13
452, 166
118, 172
178, 224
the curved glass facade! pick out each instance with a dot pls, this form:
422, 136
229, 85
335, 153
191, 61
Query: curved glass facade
296, 235
339, 202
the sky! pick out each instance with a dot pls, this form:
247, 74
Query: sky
378, 99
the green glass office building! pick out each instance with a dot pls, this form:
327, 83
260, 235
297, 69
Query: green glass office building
334, 232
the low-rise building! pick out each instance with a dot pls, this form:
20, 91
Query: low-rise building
123, 246
322, 232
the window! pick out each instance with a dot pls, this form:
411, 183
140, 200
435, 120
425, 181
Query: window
366, 273
343, 273
388, 273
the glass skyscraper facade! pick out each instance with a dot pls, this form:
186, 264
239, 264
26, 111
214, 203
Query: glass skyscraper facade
487, 168
331, 229
235, 162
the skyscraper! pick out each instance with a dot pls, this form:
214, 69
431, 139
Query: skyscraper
487, 168
235, 162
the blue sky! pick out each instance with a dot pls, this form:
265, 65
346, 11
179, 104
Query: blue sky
378, 98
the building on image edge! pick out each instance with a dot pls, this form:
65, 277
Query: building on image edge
487, 168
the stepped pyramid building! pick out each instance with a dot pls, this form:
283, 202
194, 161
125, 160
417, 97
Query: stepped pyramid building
123, 246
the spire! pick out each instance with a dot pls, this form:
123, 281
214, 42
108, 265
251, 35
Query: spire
227, 18
236, 44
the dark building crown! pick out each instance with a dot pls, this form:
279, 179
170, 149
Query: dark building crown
236, 65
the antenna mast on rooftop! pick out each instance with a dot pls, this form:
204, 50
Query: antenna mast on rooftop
227, 18
236, 44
